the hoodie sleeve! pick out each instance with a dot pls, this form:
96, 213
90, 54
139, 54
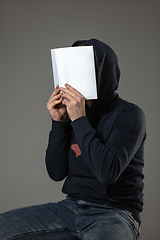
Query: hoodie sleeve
108, 160
56, 158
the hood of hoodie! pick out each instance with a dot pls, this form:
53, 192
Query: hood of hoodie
107, 71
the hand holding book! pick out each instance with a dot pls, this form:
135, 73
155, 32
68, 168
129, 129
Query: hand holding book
74, 102
55, 106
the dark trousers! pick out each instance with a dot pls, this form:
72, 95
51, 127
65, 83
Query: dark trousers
68, 220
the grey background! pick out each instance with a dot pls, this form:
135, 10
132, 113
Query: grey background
28, 30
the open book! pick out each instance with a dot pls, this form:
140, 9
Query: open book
75, 66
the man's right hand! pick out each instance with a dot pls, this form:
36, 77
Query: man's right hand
55, 106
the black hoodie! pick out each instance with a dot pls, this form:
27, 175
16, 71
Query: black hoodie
101, 154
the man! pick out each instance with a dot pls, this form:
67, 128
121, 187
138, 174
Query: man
97, 147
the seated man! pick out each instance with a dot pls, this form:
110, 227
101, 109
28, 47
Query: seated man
97, 146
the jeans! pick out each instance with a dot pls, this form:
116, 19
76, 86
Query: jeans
68, 220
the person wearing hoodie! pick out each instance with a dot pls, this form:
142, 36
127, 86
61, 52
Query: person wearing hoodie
97, 148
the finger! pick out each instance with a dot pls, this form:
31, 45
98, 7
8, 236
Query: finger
68, 96
56, 91
72, 93
55, 97
53, 104
65, 102
72, 89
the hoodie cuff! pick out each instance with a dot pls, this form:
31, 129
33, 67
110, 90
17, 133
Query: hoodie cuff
60, 127
81, 125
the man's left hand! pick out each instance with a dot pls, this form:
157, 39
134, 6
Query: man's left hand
75, 102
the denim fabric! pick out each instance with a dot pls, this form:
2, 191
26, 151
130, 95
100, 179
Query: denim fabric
69, 220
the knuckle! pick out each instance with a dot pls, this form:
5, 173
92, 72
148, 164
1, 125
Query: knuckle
75, 102
79, 99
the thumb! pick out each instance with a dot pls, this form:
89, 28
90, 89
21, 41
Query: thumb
65, 102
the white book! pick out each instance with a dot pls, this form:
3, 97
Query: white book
75, 66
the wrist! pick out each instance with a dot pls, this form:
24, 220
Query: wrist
64, 117
77, 117
60, 119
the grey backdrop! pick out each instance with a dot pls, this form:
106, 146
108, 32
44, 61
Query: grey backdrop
29, 29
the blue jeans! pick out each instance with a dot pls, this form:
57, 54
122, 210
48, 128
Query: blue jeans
68, 220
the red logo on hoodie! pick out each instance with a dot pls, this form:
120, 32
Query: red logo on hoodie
76, 149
